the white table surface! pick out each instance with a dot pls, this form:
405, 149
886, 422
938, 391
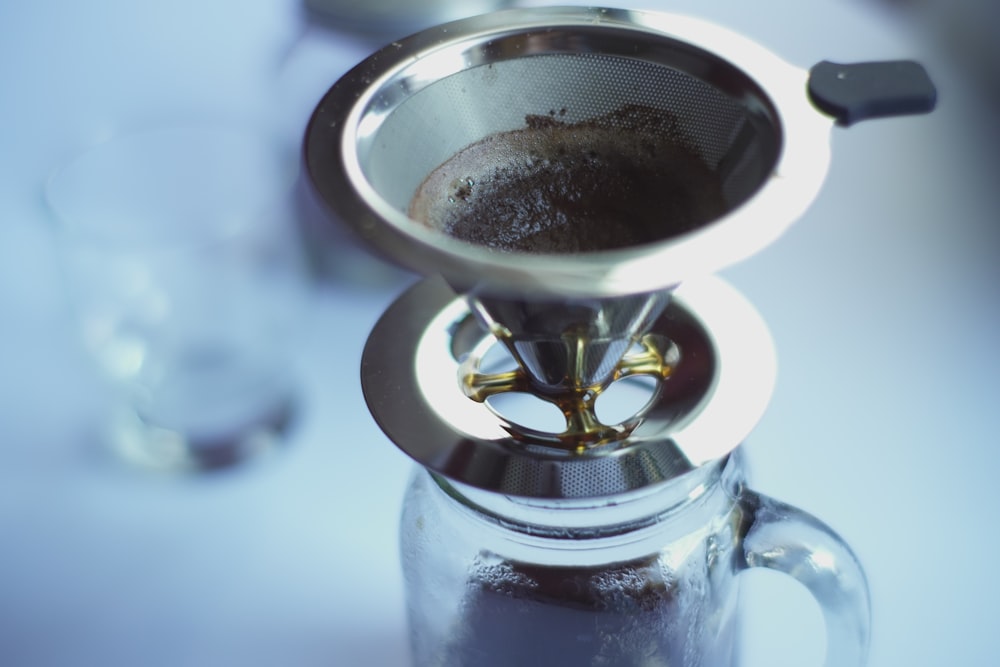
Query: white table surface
883, 302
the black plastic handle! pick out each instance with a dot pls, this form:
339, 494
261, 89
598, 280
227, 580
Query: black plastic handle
851, 93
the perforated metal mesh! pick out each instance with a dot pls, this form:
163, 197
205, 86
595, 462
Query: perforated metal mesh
439, 120
591, 476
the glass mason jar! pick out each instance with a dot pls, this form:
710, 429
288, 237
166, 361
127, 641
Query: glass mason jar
648, 577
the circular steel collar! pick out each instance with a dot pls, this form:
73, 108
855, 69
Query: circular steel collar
721, 386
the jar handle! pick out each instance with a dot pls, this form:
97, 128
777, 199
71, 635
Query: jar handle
784, 538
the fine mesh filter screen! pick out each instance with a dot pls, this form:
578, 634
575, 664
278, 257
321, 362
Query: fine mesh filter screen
592, 477
732, 136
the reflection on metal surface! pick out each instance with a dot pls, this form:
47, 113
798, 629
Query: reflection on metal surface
577, 402
386, 125
427, 385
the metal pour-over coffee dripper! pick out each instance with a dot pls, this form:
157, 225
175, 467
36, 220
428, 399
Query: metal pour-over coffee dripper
481, 112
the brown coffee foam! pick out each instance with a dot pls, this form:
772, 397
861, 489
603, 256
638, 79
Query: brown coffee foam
624, 179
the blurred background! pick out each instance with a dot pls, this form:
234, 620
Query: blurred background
883, 302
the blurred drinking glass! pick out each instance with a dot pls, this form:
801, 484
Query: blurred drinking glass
186, 274
390, 19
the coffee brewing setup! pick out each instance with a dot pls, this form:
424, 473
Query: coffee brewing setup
567, 180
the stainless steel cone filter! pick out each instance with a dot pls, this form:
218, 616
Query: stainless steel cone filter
741, 112
564, 170
566, 167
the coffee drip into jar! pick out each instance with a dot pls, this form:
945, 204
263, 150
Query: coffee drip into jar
567, 180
